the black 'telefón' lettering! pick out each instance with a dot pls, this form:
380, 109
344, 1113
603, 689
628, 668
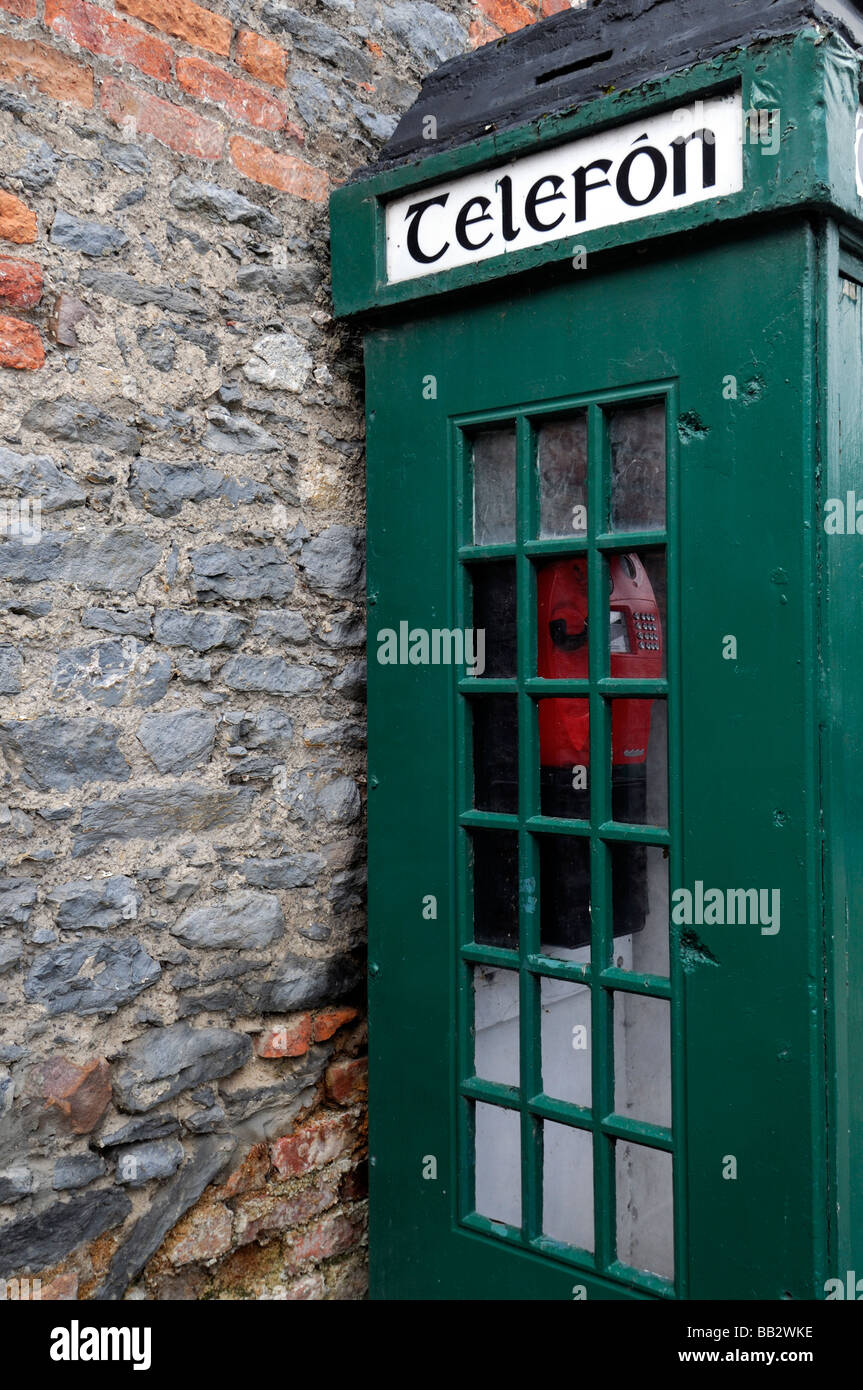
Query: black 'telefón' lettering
464, 220
708, 160
510, 231
533, 200
416, 211
582, 187
660, 174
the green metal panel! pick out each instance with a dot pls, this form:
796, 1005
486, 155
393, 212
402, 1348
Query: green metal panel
840, 573
675, 321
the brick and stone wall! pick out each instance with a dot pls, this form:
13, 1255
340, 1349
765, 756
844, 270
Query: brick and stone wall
182, 1070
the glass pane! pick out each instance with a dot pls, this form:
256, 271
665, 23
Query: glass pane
562, 466
494, 610
494, 487
637, 443
637, 589
642, 1058
495, 887
564, 750
639, 750
498, 1164
645, 1208
561, 587
564, 890
566, 1051
495, 753
567, 1185
639, 889
496, 1010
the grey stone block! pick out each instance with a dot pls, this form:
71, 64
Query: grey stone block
35, 1242
78, 1170
122, 671
96, 904
290, 871
163, 488
166, 1061
221, 572
81, 422
34, 475
148, 813
90, 238
244, 920
222, 205
269, 674
179, 740
201, 631
333, 562
92, 976
141, 1163
51, 753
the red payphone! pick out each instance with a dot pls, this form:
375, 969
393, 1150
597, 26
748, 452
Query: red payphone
635, 636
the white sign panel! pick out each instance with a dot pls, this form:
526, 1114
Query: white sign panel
661, 162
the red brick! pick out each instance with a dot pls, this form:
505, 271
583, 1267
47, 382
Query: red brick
555, 6
508, 15
251, 1174
20, 283
284, 1213
80, 1093
206, 1234
282, 171
21, 9
99, 32
171, 125
184, 20
317, 1143
20, 345
347, 1080
329, 1021
290, 1041
62, 1286
330, 1236
17, 222
53, 74
261, 57
245, 102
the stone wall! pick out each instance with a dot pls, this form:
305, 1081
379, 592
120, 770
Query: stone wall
182, 779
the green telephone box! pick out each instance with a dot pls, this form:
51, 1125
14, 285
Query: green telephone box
610, 280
